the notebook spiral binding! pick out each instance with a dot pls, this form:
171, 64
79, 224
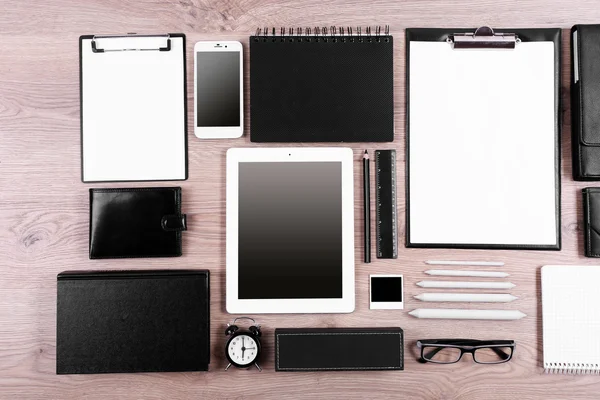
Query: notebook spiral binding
318, 33
572, 368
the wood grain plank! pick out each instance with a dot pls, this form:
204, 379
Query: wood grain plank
44, 207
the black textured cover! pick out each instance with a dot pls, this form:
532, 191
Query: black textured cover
132, 321
321, 89
339, 349
128, 222
585, 104
591, 221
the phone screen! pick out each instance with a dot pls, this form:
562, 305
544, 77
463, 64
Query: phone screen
218, 90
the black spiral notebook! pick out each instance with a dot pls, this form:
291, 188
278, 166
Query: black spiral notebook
322, 85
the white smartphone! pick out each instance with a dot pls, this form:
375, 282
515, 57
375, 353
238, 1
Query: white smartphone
218, 90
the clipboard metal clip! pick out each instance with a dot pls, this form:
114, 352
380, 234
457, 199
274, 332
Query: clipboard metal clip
484, 37
97, 49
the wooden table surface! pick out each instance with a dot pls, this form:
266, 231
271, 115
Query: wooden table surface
44, 207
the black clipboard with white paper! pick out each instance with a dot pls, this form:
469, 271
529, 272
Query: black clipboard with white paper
133, 108
483, 138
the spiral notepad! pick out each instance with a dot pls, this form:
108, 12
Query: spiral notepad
571, 322
321, 85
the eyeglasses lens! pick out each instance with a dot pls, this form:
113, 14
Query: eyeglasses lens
492, 355
441, 354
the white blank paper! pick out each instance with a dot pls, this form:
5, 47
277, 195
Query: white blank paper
482, 145
133, 103
571, 322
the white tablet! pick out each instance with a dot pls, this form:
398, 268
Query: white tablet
290, 230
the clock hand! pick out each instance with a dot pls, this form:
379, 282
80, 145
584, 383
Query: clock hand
243, 348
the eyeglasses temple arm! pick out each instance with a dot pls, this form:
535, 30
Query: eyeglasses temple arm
504, 355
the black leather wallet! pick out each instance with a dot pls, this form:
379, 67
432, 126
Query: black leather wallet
591, 221
139, 222
132, 321
339, 349
585, 102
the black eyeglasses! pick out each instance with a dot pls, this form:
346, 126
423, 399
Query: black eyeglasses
450, 351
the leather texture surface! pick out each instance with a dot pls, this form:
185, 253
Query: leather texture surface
139, 222
585, 103
591, 221
339, 349
321, 89
132, 321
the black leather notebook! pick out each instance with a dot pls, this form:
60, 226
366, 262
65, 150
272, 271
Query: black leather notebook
322, 85
585, 102
339, 349
132, 321
136, 222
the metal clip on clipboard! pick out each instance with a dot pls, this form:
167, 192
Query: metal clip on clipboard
97, 49
483, 38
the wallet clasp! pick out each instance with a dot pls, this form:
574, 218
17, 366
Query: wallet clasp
174, 222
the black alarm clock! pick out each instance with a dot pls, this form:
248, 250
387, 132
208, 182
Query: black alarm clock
243, 348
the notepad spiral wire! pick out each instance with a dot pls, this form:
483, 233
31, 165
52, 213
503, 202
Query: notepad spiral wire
572, 368
325, 34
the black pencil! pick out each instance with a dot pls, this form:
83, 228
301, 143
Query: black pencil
367, 206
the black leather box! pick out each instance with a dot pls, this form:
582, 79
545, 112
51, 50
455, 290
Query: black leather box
585, 102
132, 321
339, 349
137, 222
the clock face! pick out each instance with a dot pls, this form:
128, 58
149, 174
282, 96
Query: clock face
242, 350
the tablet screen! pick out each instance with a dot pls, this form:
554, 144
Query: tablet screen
290, 230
